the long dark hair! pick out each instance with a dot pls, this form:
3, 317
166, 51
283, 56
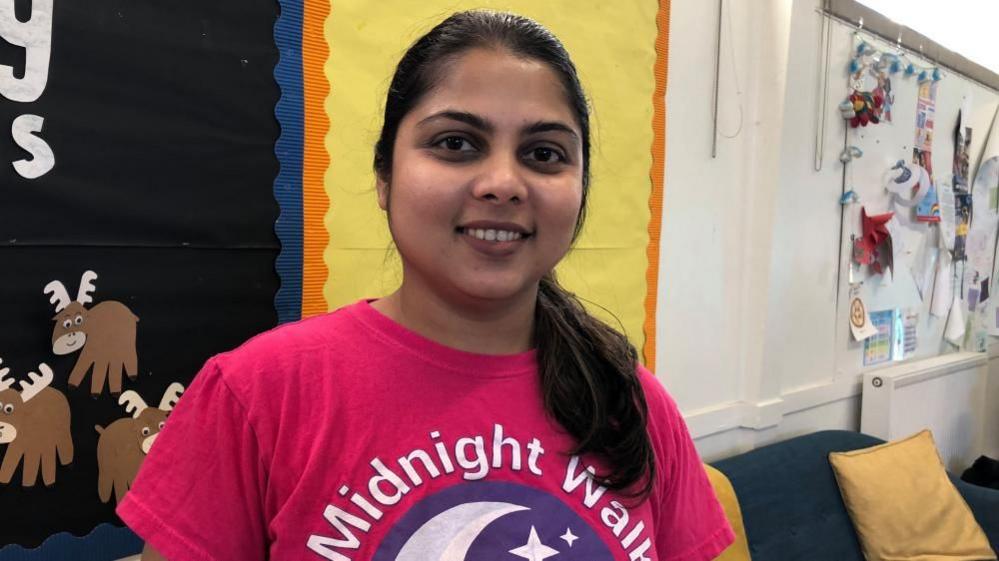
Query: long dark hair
588, 370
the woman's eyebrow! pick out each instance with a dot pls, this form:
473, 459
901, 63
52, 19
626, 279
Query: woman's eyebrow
548, 126
463, 117
484, 125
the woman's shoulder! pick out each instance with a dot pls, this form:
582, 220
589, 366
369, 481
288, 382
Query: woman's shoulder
293, 347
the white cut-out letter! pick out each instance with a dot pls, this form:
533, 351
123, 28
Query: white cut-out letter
35, 36
42, 159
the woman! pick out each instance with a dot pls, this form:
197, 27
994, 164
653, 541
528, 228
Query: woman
476, 413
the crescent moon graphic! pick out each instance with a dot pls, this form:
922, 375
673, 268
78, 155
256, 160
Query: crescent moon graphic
447, 536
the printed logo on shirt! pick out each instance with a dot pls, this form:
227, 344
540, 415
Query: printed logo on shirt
477, 519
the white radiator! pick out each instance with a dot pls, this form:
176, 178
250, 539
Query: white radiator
946, 394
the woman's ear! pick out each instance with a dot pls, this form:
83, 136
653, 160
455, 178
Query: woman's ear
383, 188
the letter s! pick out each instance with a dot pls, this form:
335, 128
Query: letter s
35, 35
43, 159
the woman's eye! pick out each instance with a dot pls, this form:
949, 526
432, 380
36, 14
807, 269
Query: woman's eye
456, 144
545, 155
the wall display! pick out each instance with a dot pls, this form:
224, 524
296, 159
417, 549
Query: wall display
335, 67
933, 231
136, 235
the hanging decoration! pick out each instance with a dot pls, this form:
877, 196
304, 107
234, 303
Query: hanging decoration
873, 247
871, 98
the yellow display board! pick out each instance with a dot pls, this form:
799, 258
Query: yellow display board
614, 46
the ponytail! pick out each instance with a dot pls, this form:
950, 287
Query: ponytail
590, 385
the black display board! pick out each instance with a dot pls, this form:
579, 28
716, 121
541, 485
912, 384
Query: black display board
160, 118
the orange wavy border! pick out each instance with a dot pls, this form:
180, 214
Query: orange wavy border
315, 159
657, 174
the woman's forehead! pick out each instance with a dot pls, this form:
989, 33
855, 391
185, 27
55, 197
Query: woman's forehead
499, 87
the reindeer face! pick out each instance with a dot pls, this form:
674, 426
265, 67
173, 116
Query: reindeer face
10, 406
69, 334
148, 426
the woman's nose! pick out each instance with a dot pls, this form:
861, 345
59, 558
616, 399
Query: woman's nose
501, 181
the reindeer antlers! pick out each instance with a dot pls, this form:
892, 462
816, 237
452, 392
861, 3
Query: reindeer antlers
133, 403
171, 395
86, 287
59, 295
38, 382
5, 384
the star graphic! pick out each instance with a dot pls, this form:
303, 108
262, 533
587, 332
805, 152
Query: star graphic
569, 537
534, 550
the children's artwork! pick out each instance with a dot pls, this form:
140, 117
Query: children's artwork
962, 223
877, 349
104, 334
34, 424
928, 210
860, 320
123, 444
873, 247
870, 98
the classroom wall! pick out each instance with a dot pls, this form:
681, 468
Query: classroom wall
751, 238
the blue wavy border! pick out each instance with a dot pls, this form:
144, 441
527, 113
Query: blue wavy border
104, 542
290, 114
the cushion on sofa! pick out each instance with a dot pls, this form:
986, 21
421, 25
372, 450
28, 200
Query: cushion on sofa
903, 505
739, 550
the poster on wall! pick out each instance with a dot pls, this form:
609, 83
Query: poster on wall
136, 236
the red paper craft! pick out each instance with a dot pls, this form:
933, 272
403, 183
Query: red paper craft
875, 233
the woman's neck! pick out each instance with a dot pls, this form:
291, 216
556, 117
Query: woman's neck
484, 327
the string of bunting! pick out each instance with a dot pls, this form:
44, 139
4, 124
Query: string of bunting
892, 62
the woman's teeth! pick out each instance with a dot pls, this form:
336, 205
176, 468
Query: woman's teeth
493, 235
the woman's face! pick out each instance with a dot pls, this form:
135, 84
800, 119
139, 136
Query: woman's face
486, 180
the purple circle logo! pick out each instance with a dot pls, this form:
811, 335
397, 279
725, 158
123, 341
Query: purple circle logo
491, 521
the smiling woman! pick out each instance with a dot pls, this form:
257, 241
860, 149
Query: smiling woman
312, 438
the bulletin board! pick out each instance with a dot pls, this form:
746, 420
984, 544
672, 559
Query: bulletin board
900, 303
136, 182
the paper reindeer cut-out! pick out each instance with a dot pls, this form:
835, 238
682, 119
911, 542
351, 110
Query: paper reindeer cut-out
34, 424
123, 444
105, 332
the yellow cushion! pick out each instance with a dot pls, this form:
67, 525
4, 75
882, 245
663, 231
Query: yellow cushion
903, 505
739, 550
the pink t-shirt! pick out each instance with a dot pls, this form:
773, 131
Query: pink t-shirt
349, 437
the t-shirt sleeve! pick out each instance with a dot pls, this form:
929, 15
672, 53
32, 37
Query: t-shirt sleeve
691, 525
198, 495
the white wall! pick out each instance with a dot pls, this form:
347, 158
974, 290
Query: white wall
748, 337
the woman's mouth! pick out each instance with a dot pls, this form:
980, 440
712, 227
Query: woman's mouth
492, 235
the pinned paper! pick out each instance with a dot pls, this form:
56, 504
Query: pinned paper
928, 210
34, 424
104, 334
123, 444
909, 184
924, 269
943, 286
877, 349
860, 321
948, 217
904, 327
954, 331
